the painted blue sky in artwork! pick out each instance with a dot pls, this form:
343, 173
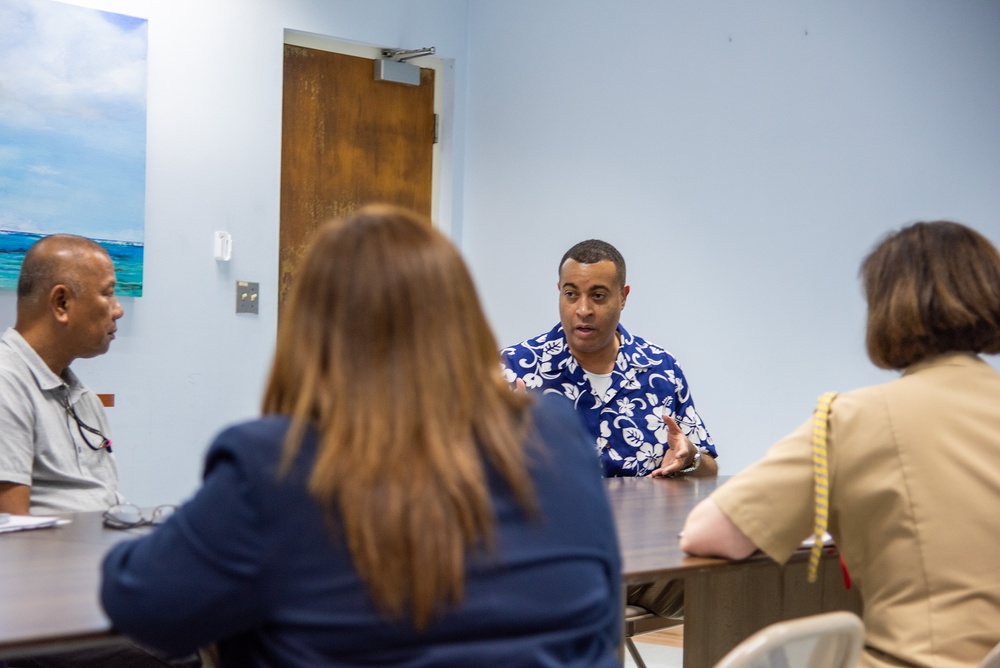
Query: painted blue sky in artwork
72, 120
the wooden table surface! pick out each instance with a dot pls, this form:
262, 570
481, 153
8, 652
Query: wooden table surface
649, 516
49, 581
49, 578
724, 601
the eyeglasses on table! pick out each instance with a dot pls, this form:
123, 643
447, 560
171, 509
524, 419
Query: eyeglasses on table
128, 516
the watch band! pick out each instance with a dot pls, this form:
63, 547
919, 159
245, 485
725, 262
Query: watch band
695, 463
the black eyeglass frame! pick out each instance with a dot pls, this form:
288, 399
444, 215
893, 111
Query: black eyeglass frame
82, 427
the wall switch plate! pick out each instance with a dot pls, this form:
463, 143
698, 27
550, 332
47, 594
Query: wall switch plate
247, 297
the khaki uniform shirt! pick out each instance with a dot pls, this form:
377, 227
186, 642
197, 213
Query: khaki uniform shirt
914, 508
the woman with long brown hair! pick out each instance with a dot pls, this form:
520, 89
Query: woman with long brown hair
396, 504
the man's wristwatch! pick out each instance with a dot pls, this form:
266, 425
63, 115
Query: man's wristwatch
696, 462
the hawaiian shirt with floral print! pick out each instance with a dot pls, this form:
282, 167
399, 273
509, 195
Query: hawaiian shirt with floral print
646, 383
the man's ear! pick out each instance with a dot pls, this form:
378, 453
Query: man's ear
59, 298
625, 290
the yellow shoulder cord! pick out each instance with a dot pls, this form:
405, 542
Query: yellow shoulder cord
821, 480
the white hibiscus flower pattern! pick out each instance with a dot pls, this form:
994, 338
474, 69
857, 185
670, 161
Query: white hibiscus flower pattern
628, 425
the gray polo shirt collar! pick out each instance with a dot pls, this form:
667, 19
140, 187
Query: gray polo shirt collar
46, 379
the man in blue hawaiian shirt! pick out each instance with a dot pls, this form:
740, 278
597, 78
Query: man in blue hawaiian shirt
631, 395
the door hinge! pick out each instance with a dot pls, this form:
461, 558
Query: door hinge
437, 127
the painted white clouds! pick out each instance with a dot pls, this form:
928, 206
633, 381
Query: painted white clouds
63, 64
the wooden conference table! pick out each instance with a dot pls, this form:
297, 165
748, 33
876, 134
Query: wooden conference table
724, 601
49, 582
49, 578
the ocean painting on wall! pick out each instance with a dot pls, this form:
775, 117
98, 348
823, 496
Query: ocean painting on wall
72, 132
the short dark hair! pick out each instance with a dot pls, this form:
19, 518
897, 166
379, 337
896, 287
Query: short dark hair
932, 288
595, 250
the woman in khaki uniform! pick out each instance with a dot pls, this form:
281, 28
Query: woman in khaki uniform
914, 463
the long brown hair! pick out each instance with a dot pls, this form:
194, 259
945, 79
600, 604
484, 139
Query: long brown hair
385, 350
931, 288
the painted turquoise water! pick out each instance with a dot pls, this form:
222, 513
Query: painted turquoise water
126, 256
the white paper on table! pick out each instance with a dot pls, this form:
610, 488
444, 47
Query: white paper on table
827, 540
27, 522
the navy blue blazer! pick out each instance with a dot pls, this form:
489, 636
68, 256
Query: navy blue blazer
250, 563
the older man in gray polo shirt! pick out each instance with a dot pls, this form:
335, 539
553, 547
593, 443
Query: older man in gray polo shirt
55, 448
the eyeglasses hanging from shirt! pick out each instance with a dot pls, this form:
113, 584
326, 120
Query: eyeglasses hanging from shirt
84, 429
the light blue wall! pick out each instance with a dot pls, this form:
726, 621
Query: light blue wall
184, 364
743, 156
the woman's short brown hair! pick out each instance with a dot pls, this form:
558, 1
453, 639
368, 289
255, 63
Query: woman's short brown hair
931, 288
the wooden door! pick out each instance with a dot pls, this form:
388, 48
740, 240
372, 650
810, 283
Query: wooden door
347, 140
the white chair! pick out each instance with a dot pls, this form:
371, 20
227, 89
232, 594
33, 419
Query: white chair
829, 640
991, 660
639, 620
